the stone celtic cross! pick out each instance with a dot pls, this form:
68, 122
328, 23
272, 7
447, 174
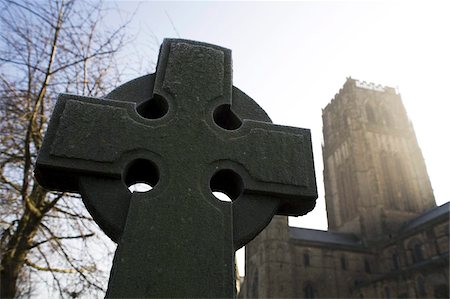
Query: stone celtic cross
186, 131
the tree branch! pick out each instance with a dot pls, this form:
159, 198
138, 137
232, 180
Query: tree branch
52, 272
51, 269
61, 238
9, 183
40, 98
69, 260
22, 64
32, 11
58, 209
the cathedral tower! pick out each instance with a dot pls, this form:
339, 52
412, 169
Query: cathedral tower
374, 172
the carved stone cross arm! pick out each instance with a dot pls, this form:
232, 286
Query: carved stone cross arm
186, 131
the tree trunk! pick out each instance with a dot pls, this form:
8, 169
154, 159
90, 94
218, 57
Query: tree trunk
17, 249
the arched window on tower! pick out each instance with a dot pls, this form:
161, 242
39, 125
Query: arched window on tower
370, 114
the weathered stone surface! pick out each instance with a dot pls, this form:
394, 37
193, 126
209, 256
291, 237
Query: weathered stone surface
187, 131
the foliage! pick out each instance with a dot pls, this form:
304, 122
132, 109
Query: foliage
46, 49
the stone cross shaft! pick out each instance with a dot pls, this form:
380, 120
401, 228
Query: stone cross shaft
186, 131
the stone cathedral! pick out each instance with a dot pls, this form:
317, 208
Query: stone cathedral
386, 237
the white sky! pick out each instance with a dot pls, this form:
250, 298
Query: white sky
292, 58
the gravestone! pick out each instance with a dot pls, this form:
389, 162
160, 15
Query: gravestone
186, 131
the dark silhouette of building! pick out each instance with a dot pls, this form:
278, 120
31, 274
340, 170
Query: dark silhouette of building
386, 237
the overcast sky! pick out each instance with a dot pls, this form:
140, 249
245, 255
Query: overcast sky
292, 58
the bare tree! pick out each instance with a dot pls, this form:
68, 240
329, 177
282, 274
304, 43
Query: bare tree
46, 49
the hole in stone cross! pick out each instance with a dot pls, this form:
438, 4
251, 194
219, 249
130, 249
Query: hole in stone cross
225, 118
226, 185
140, 187
141, 175
154, 108
222, 196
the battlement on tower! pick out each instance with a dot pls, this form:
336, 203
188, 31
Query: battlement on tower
355, 84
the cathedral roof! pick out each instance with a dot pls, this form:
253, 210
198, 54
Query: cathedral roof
428, 216
352, 241
325, 237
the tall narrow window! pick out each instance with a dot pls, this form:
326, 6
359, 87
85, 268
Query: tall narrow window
386, 117
343, 263
421, 286
367, 266
254, 287
395, 261
309, 291
343, 195
388, 177
417, 254
387, 292
306, 259
349, 189
402, 185
370, 114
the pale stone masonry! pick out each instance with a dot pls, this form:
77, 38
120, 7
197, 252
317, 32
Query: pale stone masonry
386, 238
375, 176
